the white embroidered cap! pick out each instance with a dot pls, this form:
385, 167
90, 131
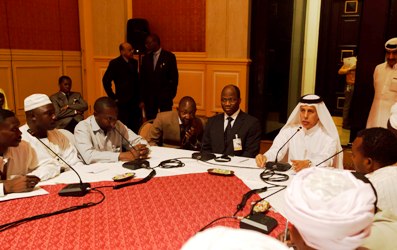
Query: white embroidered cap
36, 100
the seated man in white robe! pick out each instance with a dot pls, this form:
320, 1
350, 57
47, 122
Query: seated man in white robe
18, 162
50, 145
313, 134
330, 209
101, 137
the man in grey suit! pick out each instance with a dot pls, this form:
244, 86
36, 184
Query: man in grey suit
69, 106
233, 132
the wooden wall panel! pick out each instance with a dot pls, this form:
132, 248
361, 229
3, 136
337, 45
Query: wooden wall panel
192, 83
36, 71
199, 76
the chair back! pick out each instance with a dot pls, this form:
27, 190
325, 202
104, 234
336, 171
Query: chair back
145, 128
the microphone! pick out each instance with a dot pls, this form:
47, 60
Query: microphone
134, 164
278, 166
76, 189
330, 157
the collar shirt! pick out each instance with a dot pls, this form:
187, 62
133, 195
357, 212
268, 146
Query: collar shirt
384, 181
50, 165
313, 144
385, 85
21, 160
96, 146
225, 121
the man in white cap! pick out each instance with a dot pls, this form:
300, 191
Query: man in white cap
49, 143
385, 86
330, 209
316, 137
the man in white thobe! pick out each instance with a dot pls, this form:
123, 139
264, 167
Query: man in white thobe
385, 86
315, 141
50, 145
329, 209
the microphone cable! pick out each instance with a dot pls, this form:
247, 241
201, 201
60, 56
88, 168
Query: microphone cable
9, 225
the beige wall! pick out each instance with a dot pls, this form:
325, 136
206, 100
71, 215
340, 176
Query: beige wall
202, 75
36, 71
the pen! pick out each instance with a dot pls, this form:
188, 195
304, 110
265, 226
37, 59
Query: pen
286, 231
243, 160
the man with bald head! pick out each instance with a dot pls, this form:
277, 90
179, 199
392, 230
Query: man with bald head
179, 129
102, 137
49, 143
232, 132
123, 71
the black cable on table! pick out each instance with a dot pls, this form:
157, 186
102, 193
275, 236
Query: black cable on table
62, 211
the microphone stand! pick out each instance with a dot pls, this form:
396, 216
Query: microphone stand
278, 166
330, 157
76, 189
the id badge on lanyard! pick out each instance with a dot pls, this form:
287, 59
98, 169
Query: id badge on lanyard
237, 144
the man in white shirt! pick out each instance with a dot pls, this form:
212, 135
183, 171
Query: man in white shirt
316, 137
101, 137
385, 86
374, 153
17, 158
51, 146
329, 209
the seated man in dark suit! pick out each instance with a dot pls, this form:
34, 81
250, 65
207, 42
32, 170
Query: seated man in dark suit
69, 106
180, 129
233, 132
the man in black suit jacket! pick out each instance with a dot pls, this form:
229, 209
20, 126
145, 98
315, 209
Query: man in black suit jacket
241, 137
159, 78
123, 71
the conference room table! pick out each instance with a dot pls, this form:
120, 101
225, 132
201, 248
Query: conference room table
162, 213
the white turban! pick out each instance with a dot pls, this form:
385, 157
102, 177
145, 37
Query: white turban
330, 208
36, 100
393, 116
325, 120
230, 239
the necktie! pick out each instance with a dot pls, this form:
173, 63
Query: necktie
227, 132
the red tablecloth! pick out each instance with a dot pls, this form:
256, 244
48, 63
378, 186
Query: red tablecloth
160, 214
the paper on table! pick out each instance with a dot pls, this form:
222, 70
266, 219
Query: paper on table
94, 168
36, 192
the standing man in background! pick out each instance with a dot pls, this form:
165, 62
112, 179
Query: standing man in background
159, 78
385, 84
349, 70
123, 71
69, 106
